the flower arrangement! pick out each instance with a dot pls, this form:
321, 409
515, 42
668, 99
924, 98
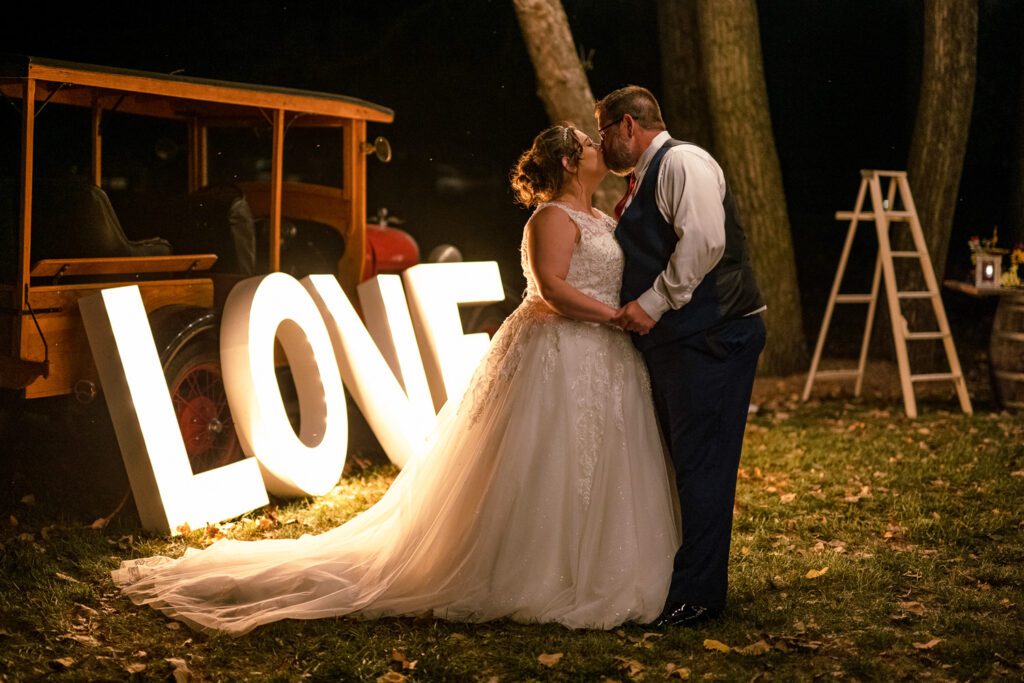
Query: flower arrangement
1011, 278
988, 246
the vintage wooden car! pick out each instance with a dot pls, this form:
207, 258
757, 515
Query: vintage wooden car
61, 239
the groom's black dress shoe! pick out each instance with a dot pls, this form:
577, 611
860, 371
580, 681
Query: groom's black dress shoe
685, 615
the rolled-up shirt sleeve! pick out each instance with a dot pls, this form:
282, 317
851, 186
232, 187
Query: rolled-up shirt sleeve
689, 195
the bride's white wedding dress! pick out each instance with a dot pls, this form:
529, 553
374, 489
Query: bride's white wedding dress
546, 497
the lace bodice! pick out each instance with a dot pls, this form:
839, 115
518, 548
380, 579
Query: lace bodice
596, 266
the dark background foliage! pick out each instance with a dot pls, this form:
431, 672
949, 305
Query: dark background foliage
842, 82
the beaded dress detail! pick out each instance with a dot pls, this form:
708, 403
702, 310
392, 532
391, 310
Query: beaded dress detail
545, 497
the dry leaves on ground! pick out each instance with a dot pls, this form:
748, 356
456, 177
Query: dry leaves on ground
675, 671
914, 607
718, 645
181, 672
759, 648
815, 573
62, 663
630, 667
549, 660
929, 645
398, 659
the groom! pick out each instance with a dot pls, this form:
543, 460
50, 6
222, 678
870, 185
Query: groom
689, 295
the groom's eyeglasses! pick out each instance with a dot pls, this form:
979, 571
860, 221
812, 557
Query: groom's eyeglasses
605, 127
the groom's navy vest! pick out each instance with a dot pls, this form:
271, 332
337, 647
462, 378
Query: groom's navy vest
648, 240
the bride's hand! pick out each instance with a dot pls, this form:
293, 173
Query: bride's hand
618, 320
633, 318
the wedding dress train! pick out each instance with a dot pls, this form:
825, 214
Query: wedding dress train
545, 497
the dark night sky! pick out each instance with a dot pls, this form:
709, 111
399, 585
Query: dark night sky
842, 79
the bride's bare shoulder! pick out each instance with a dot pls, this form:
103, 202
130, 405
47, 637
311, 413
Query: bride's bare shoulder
551, 218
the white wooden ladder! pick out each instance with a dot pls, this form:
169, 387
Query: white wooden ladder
883, 213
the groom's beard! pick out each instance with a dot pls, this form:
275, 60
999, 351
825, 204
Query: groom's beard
617, 157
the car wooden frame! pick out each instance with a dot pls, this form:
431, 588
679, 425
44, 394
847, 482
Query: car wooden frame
44, 348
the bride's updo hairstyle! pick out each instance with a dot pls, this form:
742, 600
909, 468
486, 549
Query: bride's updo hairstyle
539, 175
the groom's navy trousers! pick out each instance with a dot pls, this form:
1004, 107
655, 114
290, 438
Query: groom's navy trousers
701, 357
702, 385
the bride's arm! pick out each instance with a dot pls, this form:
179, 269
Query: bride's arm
550, 238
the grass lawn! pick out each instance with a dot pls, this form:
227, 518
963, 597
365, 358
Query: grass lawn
866, 546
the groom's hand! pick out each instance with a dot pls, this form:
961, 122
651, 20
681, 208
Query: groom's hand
635, 319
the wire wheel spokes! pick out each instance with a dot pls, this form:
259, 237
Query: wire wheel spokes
201, 407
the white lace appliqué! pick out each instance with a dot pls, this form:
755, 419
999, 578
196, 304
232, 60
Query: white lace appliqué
595, 270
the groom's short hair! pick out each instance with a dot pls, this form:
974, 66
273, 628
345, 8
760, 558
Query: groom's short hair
634, 100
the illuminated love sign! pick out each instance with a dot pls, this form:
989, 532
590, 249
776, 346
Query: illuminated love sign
326, 344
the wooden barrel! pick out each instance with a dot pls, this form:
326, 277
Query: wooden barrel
1007, 351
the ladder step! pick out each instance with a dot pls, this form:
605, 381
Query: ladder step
895, 216
935, 377
1006, 374
914, 336
923, 294
836, 374
868, 172
905, 254
853, 298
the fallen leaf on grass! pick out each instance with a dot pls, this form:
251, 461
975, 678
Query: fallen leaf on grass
398, 657
85, 639
1017, 473
181, 672
549, 660
630, 666
62, 663
865, 492
391, 677
929, 645
135, 667
64, 577
759, 648
646, 641
710, 644
815, 573
914, 607
28, 500
680, 672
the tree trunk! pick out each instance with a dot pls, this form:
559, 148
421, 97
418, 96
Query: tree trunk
1017, 199
684, 100
561, 82
937, 151
738, 101
939, 144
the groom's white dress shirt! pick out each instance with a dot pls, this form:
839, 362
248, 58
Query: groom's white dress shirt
689, 194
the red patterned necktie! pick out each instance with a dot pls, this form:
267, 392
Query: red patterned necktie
621, 206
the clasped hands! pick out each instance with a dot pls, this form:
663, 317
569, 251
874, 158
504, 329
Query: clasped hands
633, 318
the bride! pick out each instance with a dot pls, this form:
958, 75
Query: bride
546, 495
